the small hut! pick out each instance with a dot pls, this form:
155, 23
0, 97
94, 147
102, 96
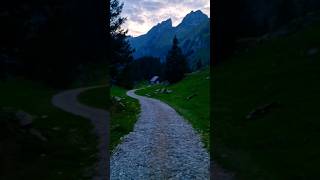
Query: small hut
155, 80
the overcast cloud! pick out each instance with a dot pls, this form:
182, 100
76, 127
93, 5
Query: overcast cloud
142, 15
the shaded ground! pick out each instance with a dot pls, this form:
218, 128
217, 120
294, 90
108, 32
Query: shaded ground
162, 146
70, 148
67, 101
266, 108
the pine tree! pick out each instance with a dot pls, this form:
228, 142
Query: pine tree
199, 64
120, 48
176, 65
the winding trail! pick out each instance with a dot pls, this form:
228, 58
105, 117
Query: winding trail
67, 101
162, 146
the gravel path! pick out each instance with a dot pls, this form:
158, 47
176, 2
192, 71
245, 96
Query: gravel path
67, 101
162, 146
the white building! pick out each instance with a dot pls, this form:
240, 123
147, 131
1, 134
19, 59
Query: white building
155, 80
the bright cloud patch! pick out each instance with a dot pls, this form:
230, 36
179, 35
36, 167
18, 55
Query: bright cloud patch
142, 15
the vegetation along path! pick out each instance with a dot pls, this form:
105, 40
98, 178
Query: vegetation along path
162, 146
67, 101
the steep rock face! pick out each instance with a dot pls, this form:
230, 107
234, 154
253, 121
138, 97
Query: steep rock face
193, 34
147, 44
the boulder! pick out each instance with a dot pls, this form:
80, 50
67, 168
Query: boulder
56, 128
191, 96
312, 51
162, 90
169, 91
117, 98
262, 110
38, 134
25, 119
44, 116
165, 83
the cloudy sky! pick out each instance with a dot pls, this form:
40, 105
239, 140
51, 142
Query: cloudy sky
142, 15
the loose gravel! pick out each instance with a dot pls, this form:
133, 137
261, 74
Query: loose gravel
162, 146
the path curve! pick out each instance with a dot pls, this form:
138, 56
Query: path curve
162, 146
67, 101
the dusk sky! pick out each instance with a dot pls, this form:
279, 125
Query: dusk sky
142, 15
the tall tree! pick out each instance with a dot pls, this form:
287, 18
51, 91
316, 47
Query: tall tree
199, 64
176, 65
121, 51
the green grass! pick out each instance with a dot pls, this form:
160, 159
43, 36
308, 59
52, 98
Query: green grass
282, 144
98, 97
71, 147
195, 110
122, 118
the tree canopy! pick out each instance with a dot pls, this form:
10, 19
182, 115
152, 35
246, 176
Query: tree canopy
176, 65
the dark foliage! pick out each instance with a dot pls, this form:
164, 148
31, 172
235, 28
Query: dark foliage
145, 68
121, 51
237, 19
199, 64
140, 70
48, 40
124, 78
176, 65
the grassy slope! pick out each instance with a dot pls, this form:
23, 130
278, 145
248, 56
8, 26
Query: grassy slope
70, 149
284, 143
98, 97
196, 110
122, 118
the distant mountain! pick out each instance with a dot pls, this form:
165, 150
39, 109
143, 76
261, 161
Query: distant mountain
193, 34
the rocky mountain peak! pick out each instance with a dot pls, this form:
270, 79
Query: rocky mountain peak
164, 25
194, 18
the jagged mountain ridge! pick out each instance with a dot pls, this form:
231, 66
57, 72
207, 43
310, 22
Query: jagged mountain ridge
193, 34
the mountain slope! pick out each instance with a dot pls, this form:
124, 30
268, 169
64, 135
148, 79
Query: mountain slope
193, 34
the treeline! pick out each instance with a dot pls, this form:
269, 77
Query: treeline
143, 69
52, 41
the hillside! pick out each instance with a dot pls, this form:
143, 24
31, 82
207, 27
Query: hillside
193, 34
190, 98
265, 108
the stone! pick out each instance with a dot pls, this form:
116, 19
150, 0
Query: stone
259, 111
43, 155
162, 90
84, 149
191, 96
117, 98
25, 119
165, 83
44, 116
312, 51
73, 130
121, 104
38, 134
56, 128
